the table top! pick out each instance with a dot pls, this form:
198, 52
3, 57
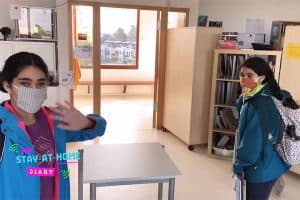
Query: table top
109, 163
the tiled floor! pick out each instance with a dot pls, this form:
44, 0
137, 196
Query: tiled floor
129, 121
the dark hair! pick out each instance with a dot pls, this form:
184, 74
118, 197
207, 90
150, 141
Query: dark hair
17, 63
261, 67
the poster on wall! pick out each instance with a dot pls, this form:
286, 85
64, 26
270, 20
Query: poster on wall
293, 51
215, 24
202, 20
66, 79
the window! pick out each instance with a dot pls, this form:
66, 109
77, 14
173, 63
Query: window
176, 19
37, 23
83, 35
119, 38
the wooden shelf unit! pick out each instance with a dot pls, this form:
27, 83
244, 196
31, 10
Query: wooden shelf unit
224, 105
214, 131
223, 130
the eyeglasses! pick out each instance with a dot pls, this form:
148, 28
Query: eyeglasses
248, 75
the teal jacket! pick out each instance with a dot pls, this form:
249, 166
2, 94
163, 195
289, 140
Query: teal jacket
255, 154
15, 184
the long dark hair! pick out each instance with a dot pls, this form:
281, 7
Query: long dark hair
261, 67
17, 63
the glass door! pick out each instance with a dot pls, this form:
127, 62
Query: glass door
82, 40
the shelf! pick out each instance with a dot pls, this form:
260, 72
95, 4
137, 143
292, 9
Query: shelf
225, 106
248, 52
220, 157
225, 88
229, 80
228, 131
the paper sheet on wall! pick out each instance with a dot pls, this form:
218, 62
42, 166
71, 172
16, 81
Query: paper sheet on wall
66, 79
15, 11
255, 25
293, 51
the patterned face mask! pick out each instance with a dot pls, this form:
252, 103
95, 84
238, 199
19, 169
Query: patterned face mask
30, 99
248, 83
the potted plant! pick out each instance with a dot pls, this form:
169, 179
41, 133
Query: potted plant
5, 32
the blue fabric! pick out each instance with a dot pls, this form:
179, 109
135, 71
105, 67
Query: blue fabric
15, 184
256, 156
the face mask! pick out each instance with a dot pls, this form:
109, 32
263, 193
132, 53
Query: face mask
248, 83
30, 99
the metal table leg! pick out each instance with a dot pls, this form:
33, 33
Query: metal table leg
171, 189
93, 191
160, 190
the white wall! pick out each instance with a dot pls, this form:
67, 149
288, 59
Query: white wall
234, 13
63, 44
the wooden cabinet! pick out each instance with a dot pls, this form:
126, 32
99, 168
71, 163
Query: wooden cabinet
225, 89
188, 82
290, 66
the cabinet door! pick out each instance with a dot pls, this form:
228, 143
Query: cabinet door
45, 50
179, 81
290, 66
6, 50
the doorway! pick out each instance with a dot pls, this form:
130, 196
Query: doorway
123, 80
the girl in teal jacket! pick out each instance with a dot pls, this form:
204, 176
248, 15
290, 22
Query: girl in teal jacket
259, 120
33, 161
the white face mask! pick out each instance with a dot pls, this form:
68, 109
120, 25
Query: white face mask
30, 99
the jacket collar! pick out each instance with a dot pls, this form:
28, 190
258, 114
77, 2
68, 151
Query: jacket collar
14, 128
253, 92
258, 91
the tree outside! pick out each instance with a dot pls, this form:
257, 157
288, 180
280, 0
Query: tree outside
119, 47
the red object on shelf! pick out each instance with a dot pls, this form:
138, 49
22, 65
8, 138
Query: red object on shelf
228, 44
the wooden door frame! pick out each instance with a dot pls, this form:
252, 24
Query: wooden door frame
70, 46
161, 68
159, 82
96, 61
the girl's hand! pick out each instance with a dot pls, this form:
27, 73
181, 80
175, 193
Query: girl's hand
71, 118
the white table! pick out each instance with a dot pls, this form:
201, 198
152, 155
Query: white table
126, 164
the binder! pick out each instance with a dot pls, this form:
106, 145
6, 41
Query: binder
240, 187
